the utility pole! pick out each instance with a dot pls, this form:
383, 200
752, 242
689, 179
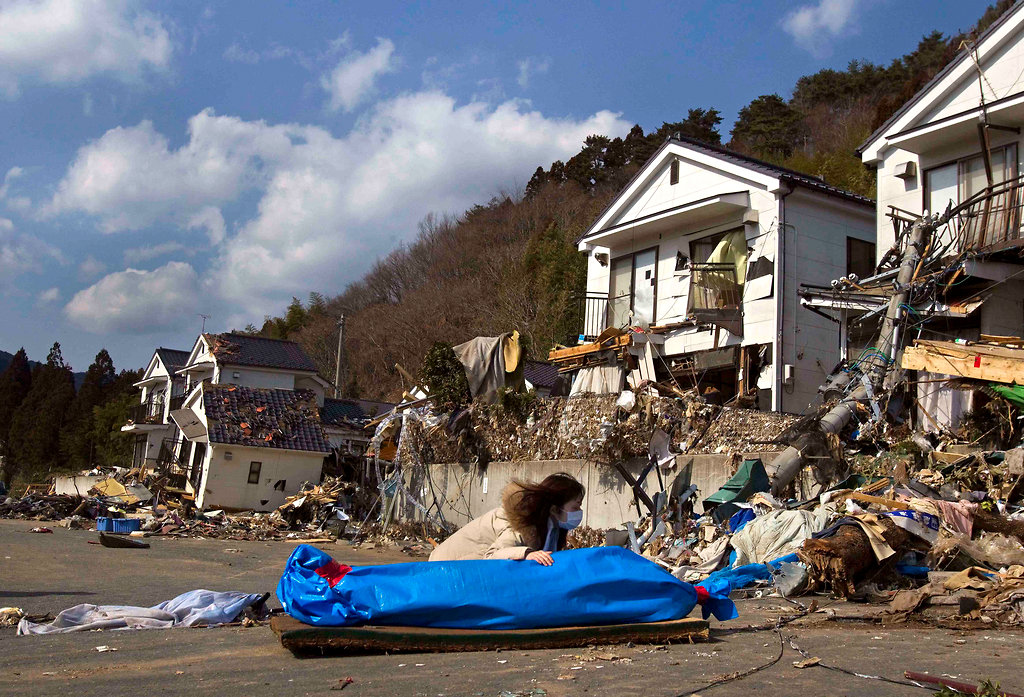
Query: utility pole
205, 317
337, 365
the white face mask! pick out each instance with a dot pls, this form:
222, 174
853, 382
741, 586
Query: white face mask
572, 520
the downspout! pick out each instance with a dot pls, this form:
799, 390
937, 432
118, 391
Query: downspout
780, 297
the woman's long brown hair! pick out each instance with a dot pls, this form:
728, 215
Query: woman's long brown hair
530, 505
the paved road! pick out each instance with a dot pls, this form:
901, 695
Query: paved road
46, 573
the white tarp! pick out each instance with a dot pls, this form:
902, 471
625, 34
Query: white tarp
598, 379
776, 534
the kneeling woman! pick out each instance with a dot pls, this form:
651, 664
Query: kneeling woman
532, 522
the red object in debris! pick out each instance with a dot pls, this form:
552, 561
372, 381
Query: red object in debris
41, 530
260, 410
965, 687
977, 361
333, 571
343, 683
270, 437
244, 424
702, 594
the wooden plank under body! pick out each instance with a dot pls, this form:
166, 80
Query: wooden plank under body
305, 640
996, 369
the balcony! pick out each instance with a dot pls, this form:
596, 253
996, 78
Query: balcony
715, 296
150, 412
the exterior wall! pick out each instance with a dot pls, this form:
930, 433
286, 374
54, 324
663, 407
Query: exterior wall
609, 500
1003, 311
817, 226
303, 382
226, 484
254, 377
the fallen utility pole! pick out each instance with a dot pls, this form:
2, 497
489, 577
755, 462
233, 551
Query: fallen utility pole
792, 460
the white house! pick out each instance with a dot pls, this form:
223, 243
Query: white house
708, 247
161, 391
234, 402
930, 157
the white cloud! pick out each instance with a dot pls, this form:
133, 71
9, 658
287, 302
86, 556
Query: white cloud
68, 41
813, 26
91, 268
354, 77
12, 174
138, 255
210, 219
20, 253
237, 54
87, 105
327, 205
137, 302
50, 295
528, 67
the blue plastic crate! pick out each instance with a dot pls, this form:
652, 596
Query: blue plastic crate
105, 524
126, 525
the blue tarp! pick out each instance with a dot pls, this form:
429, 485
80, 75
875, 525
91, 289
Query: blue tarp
593, 586
727, 580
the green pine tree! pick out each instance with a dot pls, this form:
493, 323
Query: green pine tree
77, 438
38, 422
15, 383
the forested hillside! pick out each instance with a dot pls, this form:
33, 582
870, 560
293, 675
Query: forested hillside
511, 263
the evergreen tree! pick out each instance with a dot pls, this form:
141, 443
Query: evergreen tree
36, 428
15, 383
77, 439
699, 124
112, 447
767, 128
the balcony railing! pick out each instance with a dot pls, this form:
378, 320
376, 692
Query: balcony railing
592, 313
715, 296
149, 412
992, 219
177, 402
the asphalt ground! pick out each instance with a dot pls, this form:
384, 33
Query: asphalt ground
47, 573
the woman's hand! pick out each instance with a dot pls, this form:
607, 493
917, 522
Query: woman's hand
541, 557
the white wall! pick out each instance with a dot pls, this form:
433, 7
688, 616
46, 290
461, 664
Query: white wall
255, 377
817, 226
226, 481
303, 382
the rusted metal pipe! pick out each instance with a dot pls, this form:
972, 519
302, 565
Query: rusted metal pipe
965, 687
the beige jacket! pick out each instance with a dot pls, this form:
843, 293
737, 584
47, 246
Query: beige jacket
491, 536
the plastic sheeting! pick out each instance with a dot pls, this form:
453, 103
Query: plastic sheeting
187, 610
488, 361
776, 533
593, 586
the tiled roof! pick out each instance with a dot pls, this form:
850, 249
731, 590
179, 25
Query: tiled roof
173, 359
264, 418
540, 374
340, 412
246, 349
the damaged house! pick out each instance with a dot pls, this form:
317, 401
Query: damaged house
953, 152
240, 425
699, 258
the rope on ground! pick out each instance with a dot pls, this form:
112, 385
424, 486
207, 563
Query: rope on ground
742, 674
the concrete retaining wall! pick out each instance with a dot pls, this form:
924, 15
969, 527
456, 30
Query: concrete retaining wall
464, 492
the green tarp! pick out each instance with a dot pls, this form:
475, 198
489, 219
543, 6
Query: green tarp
1011, 393
749, 479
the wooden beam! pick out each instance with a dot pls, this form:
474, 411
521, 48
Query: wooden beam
307, 640
576, 351
974, 365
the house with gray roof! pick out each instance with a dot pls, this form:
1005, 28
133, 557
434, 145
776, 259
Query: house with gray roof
699, 259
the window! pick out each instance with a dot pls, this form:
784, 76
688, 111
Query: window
633, 288
254, 472
860, 257
701, 250
956, 182
673, 172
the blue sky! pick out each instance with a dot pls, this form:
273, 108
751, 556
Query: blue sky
161, 160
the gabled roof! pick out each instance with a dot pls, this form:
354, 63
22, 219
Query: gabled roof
173, 359
343, 412
765, 171
248, 350
264, 418
953, 65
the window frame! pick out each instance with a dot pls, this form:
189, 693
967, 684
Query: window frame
850, 242
960, 163
257, 471
673, 172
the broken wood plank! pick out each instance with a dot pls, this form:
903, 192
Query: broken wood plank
306, 640
575, 351
976, 365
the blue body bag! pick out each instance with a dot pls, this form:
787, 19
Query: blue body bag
593, 586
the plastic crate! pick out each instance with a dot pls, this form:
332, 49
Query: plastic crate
105, 524
126, 525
